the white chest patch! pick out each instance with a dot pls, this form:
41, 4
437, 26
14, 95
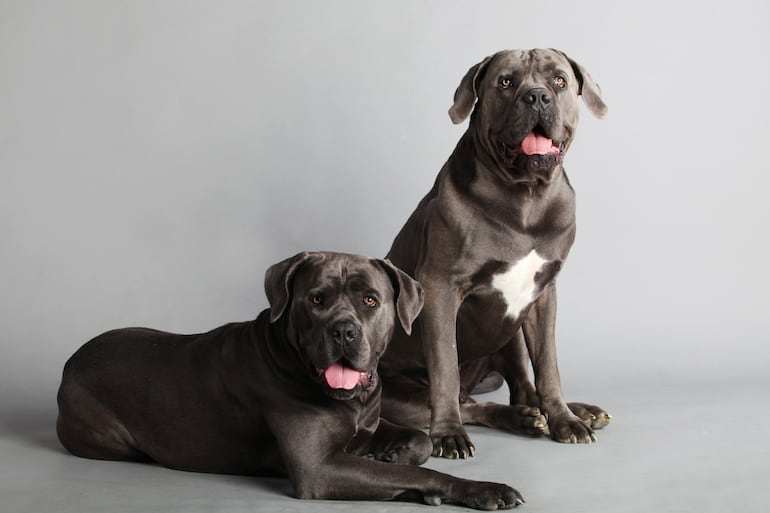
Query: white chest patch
517, 284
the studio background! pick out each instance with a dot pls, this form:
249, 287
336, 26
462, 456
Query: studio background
157, 156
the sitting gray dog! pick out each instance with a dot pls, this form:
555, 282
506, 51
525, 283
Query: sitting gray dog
487, 243
293, 393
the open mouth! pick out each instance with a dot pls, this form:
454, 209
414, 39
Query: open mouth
341, 376
536, 142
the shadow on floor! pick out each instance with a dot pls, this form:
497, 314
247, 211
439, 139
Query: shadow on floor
31, 424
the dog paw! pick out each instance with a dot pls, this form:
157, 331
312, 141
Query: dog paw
415, 453
390, 456
481, 495
528, 420
593, 416
452, 443
570, 429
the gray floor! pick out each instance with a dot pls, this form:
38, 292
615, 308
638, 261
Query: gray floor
678, 447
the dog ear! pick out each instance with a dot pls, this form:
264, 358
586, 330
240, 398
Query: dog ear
466, 93
408, 292
588, 89
278, 278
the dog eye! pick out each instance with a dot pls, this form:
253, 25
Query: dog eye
560, 82
370, 301
505, 83
316, 300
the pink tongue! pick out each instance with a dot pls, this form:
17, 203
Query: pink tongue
536, 144
338, 376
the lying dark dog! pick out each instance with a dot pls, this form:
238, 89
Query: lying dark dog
487, 243
293, 393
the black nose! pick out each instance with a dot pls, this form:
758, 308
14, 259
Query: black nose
345, 332
538, 98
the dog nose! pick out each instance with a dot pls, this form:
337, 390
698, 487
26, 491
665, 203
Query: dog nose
345, 332
538, 98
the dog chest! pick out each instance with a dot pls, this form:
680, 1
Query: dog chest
518, 285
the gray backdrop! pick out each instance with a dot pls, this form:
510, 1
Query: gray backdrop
157, 156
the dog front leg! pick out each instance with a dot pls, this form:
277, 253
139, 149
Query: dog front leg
439, 338
343, 476
539, 332
392, 443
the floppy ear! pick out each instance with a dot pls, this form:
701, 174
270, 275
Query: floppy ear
408, 293
466, 93
278, 279
589, 90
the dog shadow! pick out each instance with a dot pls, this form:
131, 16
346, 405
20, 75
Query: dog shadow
32, 425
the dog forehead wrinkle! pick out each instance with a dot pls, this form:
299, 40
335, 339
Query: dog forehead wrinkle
329, 276
513, 62
546, 66
521, 56
359, 282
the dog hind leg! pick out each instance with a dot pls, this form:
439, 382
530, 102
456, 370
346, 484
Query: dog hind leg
86, 428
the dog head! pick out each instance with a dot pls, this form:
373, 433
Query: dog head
341, 311
527, 109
